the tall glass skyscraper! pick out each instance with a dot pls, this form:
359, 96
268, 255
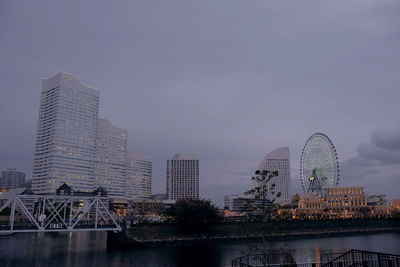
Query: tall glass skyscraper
183, 176
76, 147
279, 160
66, 134
110, 159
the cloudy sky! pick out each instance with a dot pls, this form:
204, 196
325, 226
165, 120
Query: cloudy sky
230, 80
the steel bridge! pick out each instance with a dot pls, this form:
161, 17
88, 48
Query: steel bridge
56, 213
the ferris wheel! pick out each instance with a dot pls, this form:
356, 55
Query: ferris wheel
319, 165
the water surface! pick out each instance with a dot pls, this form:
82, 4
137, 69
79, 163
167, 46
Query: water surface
89, 249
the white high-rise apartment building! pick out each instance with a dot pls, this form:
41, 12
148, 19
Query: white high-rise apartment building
11, 178
138, 175
279, 160
183, 176
110, 159
66, 133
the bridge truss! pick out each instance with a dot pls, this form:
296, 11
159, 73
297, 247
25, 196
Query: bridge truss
56, 213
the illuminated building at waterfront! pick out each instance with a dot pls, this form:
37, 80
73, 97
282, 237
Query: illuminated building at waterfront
345, 200
310, 204
66, 134
76, 147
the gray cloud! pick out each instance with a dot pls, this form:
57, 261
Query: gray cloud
377, 165
387, 138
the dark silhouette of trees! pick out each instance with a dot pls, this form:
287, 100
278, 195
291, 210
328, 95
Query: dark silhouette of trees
365, 212
6, 211
194, 213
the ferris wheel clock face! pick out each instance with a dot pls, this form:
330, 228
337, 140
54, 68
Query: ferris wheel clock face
319, 165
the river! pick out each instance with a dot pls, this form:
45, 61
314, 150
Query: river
89, 249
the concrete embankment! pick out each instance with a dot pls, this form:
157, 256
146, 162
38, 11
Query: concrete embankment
167, 234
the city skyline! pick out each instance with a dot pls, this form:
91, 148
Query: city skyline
109, 130
228, 83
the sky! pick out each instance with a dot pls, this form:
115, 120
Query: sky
229, 80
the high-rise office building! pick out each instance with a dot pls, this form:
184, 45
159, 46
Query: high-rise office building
11, 178
66, 134
76, 147
110, 159
138, 175
183, 176
279, 160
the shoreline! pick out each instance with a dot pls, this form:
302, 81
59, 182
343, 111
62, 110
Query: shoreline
126, 239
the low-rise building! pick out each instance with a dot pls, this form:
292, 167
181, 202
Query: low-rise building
345, 201
309, 205
7, 194
395, 204
237, 203
145, 207
380, 211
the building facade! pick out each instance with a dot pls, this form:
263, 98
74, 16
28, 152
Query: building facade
310, 205
11, 178
138, 175
110, 167
395, 204
145, 207
183, 176
279, 160
66, 134
76, 147
236, 203
345, 201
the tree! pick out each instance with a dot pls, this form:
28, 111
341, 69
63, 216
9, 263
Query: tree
194, 213
264, 193
395, 214
265, 196
6, 211
365, 212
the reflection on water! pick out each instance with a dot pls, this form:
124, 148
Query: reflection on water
89, 249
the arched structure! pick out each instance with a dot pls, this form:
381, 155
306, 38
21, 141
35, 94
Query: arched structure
319, 165
279, 160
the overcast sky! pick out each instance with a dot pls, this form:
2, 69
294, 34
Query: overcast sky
229, 80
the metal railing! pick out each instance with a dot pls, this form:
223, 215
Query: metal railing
364, 258
351, 258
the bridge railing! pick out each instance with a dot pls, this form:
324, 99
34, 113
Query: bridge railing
56, 213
